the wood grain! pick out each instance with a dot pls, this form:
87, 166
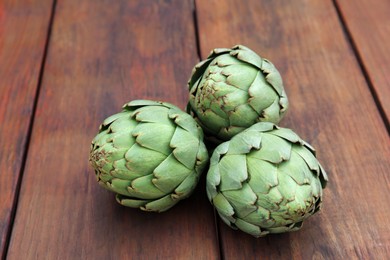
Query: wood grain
23, 32
368, 22
101, 55
331, 108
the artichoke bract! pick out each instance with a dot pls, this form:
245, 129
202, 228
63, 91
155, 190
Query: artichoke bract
233, 89
151, 154
266, 179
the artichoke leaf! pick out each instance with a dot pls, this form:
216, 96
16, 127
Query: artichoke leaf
208, 117
109, 120
272, 76
263, 175
249, 228
261, 95
323, 176
154, 136
185, 147
213, 179
130, 202
120, 186
122, 124
243, 116
160, 205
169, 174
287, 134
273, 149
234, 98
153, 114
186, 187
120, 171
287, 186
247, 55
186, 122
141, 160
308, 157
297, 169
240, 76
226, 60
245, 142
100, 139
217, 52
260, 217
270, 201
144, 188
233, 171
272, 113
122, 139
223, 206
242, 200
197, 72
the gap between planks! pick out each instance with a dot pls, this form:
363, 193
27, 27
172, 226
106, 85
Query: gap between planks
360, 62
29, 131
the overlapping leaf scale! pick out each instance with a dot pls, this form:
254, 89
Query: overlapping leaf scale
197, 73
273, 76
213, 177
186, 187
263, 175
241, 76
152, 114
129, 202
242, 200
261, 95
233, 171
247, 55
273, 149
169, 174
244, 143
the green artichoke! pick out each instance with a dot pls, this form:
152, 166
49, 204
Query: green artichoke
233, 89
151, 154
265, 180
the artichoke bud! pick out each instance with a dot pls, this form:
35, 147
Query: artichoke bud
151, 155
233, 89
266, 179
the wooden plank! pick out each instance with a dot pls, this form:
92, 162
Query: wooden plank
331, 108
23, 32
368, 22
102, 55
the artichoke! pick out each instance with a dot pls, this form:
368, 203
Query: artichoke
151, 154
265, 180
233, 89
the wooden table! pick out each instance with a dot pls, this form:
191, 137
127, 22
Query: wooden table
66, 65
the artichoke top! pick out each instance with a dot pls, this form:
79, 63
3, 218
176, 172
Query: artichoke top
233, 89
151, 154
266, 179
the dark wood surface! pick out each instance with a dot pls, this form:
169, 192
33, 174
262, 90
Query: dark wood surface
101, 54
23, 35
305, 41
368, 24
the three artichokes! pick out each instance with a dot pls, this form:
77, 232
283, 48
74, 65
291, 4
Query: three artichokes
261, 179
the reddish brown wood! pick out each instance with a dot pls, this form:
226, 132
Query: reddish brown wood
23, 32
369, 25
101, 55
332, 108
